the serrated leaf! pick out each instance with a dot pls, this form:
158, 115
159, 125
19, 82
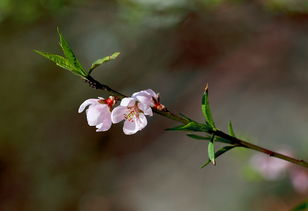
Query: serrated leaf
301, 207
211, 150
103, 60
230, 129
205, 107
69, 54
191, 126
60, 61
208, 138
218, 153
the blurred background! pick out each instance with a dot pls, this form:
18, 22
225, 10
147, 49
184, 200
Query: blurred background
252, 53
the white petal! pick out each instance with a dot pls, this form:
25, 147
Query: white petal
96, 114
151, 93
141, 121
117, 114
104, 126
128, 101
105, 112
86, 103
145, 99
130, 127
137, 93
145, 108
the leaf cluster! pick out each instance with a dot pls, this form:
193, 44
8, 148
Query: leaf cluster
209, 128
70, 62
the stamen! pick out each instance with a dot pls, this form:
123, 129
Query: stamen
134, 112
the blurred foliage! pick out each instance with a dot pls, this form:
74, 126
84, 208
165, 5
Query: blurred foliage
302, 206
290, 6
134, 10
32, 10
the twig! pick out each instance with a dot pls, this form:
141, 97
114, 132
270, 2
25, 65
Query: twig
233, 140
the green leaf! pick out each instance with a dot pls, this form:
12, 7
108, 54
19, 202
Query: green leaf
218, 153
185, 117
223, 140
217, 139
199, 137
103, 60
60, 61
205, 107
230, 129
211, 150
191, 126
301, 207
69, 54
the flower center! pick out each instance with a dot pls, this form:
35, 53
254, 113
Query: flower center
133, 112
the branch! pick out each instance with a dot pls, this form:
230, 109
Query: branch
233, 140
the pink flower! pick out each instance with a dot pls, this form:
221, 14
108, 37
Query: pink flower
98, 112
133, 112
150, 98
299, 179
270, 168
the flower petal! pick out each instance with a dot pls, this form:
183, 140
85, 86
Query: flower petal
141, 121
147, 110
148, 92
145, 99
117, 114
130, 127
137, 93
151, 93
86, 103
96, 113
128, 101
104, 126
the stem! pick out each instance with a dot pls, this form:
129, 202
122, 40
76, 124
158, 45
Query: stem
97, 85
233, 140
260, 149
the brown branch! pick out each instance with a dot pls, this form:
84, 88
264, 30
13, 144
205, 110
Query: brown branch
233, 140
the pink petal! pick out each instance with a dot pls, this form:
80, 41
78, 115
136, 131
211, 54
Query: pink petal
96, 113
128, 101
104, 126
130, 127
141, 121
145, 108
137, 93
269, 167
299, 179
86, 103
148, 92
145, 96
151, 93
117, 114
104, 112
145, 99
